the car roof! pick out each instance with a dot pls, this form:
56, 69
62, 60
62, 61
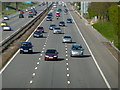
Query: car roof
67, 36
76, 45
25, 42
40, 27
51, 50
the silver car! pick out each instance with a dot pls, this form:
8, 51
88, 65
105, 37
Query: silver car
76, 50
57, 30
67, 39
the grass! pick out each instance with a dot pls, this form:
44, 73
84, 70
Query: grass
107, 30
20, 6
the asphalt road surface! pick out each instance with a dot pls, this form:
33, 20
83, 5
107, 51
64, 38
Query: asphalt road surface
32, 71
16, 22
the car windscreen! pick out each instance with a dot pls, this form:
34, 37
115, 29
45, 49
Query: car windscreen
40, 27
26, 44
67, 37
76, 47
57, 28
37, 32
50, 51
62, 22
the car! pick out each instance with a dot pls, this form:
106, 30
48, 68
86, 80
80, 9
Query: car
48, 18
40, 29
6, 28
57, 30
54, 6
51, 54
52, 26
30, 15
26, 47
76, 50
50, 14
67, 39
62, 23
21, 16
69, 20
59, 10
57, 14
21, 12
3, 24
5, 18
38, 34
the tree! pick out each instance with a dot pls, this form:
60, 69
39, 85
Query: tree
100, 9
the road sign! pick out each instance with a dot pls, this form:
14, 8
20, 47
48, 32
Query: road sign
28, 2
6, 9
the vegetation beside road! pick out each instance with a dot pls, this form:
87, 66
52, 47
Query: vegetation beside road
107, 30
13, 7
107, 19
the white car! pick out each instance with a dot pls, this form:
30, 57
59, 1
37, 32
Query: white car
6, 18
67, 39
6, 28
57, 30
54, 6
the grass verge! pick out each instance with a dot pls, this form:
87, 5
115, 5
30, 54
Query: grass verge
12, 10
107, 30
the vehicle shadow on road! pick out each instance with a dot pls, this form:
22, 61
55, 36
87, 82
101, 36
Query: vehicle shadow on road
36, 52
59, 59
85, 55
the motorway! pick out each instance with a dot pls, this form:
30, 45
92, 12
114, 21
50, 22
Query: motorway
16, 22
32, 71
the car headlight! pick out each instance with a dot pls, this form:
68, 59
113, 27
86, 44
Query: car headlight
55, 56
21, 48
30, 48
46, 56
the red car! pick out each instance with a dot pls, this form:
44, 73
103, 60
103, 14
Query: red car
40, 29
51, 54
57, 14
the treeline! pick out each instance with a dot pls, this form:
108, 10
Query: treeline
107, 11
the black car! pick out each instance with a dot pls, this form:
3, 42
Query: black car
38, 34
52, 26
49, 18
26, 47
21, 16
61, 23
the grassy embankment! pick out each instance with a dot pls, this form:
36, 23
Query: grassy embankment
107, 30
12, 10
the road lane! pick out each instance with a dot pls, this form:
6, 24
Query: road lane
16, 22
67, 72
106, 61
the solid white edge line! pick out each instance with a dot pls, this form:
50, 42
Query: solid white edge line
103, 76
1, 71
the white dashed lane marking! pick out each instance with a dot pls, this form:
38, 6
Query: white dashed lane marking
33, 74
36, 68
40, 54
68, 82
67, 68
68, 75
38, 62
66, 63
31, 82
66, 58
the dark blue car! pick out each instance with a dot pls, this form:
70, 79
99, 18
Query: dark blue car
26, 47
38, 34
69, 20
